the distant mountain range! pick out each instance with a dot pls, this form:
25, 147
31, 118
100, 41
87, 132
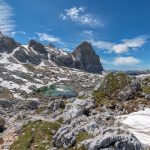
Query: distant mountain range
83, 57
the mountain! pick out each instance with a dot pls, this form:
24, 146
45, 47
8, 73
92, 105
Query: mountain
83, 57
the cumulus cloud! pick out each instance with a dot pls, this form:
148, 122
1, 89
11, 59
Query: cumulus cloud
126, 61
102, 45
47, 37
127, 44
78, 15
123, 47
6, 22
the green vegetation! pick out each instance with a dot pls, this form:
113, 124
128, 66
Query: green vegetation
81, 97
82, 135
36, 135
110, 86
29, 67
146, 85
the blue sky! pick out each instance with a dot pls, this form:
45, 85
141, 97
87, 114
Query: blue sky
119, 30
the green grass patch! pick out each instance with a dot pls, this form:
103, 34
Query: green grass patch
35, 135
145, 84
30, 67
111, 85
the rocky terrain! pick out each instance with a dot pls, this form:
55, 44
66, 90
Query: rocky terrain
110, 110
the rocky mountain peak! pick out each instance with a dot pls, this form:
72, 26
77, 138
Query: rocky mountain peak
86, 58
7, 44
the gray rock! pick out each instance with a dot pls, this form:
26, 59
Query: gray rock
32, 104
55, 105
115, 142
64, 138
5, 103
33, 88
86, 58
7, 44
147, 96
34, 59
77, 108
21, 55
130, 91
39, 48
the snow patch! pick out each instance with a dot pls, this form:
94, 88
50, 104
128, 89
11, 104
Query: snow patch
137, 123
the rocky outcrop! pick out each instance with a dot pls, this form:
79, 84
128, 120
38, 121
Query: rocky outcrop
7, 44
21, 56
39, 48
86, 58
114, 142
4, 103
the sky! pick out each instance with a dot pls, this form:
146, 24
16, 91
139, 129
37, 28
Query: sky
119, 30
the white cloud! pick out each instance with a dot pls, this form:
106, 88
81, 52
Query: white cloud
126, 61
48, 38
123, 47
6, 22
88, 32
127, 44
102, 45
78, 15
17, 32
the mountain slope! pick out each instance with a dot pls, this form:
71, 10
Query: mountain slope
83, 57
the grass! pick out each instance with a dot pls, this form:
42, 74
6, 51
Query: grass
111, 85
30, 67
82, 135
146, 85
36, 135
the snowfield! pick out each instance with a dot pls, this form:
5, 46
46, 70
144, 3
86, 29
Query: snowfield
137, 123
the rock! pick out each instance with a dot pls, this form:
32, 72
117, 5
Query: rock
33, 88
32, 104
2, 124
34, 59
63, 60
86, 58
21, 55
5, 103
55, 105
114, 142
64, 138
129, 91
7, 44
77, 108
39, 48
147, 96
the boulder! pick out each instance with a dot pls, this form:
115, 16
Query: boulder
33, 88
55, 105
114, 142
86, 58
32, 104
64, 138
77, 108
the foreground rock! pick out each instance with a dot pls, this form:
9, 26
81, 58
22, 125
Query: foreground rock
114, 142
